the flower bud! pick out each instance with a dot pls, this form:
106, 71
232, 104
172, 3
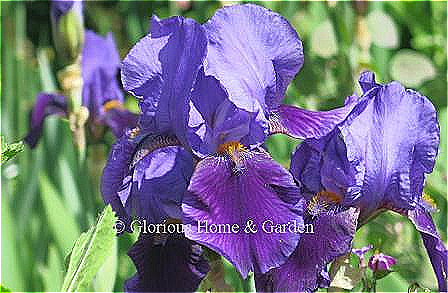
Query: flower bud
68, 29
381, 262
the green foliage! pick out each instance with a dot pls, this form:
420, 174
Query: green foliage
60, 220
90, 251
9, 151
4, 289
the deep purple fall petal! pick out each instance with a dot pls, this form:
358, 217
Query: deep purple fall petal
437, 252
332, 237
174, 264
119, 120
254, 189
147, 177
46, 104
301, 123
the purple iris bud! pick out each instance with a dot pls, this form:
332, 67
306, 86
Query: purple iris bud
68, 28
381, 262
377, 158
360, 252
60, 7
166, 263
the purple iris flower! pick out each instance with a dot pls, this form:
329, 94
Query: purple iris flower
217, 97
377, 159
149, 167
381, 262
101, 92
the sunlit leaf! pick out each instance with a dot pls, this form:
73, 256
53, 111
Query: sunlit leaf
90, 252
105, 278
9, 151
60, 220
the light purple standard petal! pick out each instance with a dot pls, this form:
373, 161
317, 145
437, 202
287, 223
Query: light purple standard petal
215, 120
161, 69
46, 104
437, 252
253, 188
254, 52
322, 164
100, 63
393, 139
174, 264
332, 237
301, 123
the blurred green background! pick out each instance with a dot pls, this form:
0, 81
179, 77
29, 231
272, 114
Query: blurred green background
47, 198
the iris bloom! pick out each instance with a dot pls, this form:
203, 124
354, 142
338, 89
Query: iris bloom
102, 95
235, 105
149, 167
207, 95
377, 159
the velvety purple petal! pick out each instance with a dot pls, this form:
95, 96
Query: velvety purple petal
301, 123
116, 176
46, 104
332, 237
119, 120
147, 177
161, 69
323, 165
435, 247
252, 188
174, 264
159, 181
393, 141
100, 63
254, 52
